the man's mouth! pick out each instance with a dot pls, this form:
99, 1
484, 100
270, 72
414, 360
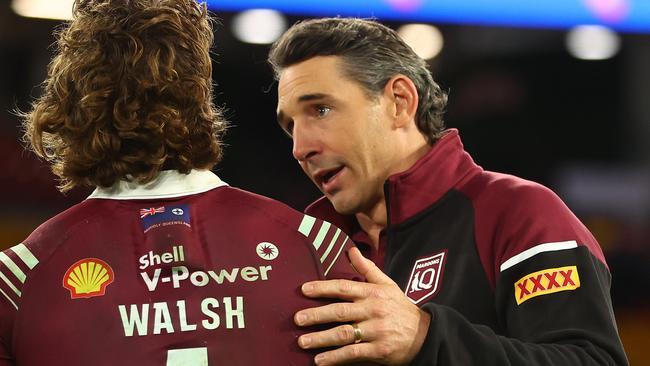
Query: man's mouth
324, 177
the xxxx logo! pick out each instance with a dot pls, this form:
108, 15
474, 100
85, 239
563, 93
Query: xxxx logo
425, 277
546, 282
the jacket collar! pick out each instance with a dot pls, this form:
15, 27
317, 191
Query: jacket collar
168, 184
444, 167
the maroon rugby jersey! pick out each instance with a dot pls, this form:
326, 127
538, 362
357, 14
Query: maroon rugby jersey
182, 271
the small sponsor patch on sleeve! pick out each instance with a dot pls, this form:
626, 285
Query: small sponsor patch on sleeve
546, 282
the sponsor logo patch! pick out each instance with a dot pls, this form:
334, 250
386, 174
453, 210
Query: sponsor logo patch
88, 278
425, 277
546, 282
154, 217
267, 251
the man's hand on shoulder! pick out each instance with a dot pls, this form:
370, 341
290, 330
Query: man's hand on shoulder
384, 326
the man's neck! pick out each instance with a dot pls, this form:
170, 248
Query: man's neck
373, 222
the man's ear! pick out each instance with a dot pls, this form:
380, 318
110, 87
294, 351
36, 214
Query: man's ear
403, 96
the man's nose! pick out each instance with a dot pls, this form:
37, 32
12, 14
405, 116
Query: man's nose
305, 144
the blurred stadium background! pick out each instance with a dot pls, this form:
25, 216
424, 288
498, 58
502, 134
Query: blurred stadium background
556, 91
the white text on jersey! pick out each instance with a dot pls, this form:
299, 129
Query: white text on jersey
181, 274
151, 259
135, 318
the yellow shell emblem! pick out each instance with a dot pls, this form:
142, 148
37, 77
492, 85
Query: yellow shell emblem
88, 277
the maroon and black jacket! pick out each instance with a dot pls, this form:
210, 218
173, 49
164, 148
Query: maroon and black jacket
508, 273
183, 271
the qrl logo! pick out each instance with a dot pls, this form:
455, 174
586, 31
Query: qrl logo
425, 278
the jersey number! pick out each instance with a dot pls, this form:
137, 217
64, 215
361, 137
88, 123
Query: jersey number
187, 357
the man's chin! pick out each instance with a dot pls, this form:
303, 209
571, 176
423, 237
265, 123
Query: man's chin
343, 206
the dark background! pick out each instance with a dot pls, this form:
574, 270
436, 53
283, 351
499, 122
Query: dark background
523, 106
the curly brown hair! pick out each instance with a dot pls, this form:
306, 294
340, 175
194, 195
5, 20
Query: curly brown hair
128, 93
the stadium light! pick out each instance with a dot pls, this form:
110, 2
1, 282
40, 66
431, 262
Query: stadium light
259, 26
592, 42
426, 40
45, 9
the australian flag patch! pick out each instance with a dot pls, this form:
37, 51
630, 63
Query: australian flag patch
158, 216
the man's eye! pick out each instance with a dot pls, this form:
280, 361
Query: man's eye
322, 110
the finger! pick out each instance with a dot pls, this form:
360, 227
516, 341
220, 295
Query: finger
337, 289
338, 336
346, 355
367, 268
341, 312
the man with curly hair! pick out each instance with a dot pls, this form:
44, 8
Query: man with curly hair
164, 264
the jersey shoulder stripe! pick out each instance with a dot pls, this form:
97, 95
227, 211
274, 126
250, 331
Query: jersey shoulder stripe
15, 265
537, 249
328, 240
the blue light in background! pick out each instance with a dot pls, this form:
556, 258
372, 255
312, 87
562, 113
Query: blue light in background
621, 15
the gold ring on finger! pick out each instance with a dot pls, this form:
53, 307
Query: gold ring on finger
357, 333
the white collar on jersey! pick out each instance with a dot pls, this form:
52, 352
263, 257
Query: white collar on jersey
168, 184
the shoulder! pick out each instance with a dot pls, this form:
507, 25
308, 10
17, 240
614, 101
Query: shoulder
19, 261
507, 199
326, 242
48, 237
513, 215
247, 212
16, 263
247, 206
491, 187
254, 210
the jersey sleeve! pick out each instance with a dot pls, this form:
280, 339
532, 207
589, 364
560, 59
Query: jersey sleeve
330, 246
551, 286
15, 266
7, 316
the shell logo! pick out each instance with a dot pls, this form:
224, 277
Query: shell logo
88, 278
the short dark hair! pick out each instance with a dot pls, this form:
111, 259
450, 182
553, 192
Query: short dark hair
128, 93
372, 54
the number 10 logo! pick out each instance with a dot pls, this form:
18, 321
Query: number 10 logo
424, 281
